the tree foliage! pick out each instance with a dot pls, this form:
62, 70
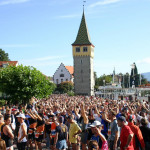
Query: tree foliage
99, 81
3, 56
65, 87
23, 82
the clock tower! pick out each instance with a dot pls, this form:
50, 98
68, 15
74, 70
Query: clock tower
83, 54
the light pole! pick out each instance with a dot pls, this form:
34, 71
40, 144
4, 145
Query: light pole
133, 67
104, 88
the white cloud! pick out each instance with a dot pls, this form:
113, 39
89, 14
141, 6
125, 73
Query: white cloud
144, 61
104, 2
7, 2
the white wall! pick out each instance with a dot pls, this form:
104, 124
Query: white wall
61, 70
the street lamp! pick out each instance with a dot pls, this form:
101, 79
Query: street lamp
104, 88
133, 67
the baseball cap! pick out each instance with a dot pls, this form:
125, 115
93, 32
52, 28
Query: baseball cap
95, 124
131, 117
21, 116
122, 118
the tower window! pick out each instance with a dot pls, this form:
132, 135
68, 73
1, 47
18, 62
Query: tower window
77, 49
81, 61
85, 49
61, 75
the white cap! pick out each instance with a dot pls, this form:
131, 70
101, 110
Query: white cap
21, 116
95, 124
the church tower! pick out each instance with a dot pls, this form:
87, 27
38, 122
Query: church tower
83, 54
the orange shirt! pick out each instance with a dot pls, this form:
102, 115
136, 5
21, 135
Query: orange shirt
53, 129
137, 132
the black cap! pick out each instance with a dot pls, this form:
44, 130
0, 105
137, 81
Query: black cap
122, 118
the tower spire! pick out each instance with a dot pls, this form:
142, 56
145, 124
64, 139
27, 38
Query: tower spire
83, 5
83, 37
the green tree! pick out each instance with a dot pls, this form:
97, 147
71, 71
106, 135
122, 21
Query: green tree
99, 81
3, 56
23, 82
65, 87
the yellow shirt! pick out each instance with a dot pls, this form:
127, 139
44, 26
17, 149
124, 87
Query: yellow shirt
0, 129
74, 128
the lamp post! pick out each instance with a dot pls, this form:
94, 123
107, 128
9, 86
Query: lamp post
133, 67
104, 88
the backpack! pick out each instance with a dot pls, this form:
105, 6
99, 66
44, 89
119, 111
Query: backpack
64, 130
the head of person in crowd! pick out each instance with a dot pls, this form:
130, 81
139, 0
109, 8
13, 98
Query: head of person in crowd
21, 117
121, 121
94, 125
70, 119
144, 122
7, 119
93, 145
61, 119
143, 113
112, 114
1, 119
131, 118
54, 118
8, 111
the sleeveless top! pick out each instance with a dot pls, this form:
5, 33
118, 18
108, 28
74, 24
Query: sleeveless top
20, 133
6, 138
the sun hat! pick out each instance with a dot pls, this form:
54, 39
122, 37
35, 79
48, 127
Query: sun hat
21, 116
95, 124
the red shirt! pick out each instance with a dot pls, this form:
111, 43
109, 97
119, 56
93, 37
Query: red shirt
137, 132
125, 132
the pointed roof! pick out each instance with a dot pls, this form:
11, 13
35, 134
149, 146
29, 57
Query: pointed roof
70, 69
83, 37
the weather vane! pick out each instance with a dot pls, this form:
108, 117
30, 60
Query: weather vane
84, 3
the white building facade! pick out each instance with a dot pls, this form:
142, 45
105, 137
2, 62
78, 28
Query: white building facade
63, 73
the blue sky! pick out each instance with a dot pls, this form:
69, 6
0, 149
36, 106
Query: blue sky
39, 33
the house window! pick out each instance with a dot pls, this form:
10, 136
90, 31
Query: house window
81, 71
61, 75
62, 80
56, 81
66, 79
85, 49
5, 65
77, 49
61, 70
81, 61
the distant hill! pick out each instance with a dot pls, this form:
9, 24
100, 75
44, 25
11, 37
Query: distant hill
146, 75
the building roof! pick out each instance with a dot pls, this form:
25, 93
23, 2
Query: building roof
70, 69
12, 63
83, 37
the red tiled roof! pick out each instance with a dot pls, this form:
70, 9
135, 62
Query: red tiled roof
70, 69
12, 63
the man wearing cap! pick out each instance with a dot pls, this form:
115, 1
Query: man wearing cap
61, 135
126, 136
22, 140
137, 138
98, 136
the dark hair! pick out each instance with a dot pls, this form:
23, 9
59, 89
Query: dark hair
93, 145
144, 122
7, 117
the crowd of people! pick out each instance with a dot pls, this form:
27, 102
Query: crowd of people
74, 123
